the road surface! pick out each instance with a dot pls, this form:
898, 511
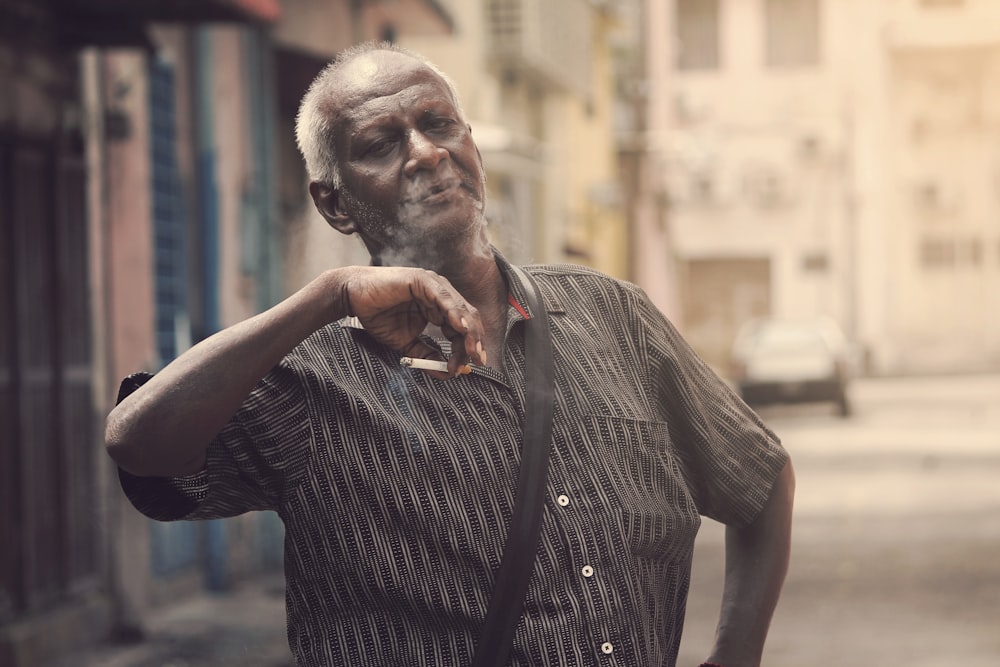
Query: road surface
896, 546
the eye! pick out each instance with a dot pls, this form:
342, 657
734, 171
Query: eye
440, 123
381, 148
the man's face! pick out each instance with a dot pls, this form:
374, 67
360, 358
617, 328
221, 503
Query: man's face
413, 180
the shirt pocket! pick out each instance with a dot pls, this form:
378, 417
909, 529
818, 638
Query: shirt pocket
630, 470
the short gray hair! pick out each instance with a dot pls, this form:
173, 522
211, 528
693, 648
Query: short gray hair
313, 129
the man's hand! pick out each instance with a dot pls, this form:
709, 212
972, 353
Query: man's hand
396, 304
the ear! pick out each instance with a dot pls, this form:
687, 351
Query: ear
327, 200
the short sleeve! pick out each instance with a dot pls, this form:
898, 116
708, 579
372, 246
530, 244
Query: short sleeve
259, 455
728, 457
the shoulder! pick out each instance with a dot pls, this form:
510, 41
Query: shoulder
583, 277
341, 353
332, 339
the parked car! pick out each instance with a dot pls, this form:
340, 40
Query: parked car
793, 361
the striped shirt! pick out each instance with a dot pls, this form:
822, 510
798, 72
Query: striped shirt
396, 489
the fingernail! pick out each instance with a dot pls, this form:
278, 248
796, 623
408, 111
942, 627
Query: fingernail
464, 370
465, 324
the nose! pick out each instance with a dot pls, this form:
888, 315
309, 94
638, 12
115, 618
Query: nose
423, 153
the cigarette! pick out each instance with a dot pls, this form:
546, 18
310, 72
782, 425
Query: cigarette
429, 365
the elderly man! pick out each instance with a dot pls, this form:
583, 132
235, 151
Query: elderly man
396, 485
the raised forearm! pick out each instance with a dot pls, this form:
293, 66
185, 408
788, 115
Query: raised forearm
164, 428
756, 564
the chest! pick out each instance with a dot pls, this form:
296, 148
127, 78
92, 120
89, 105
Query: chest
400, 446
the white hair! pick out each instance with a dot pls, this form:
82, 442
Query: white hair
313, 127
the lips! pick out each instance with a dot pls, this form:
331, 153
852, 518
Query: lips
434, 191
440, 187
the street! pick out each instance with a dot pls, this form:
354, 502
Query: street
896, 544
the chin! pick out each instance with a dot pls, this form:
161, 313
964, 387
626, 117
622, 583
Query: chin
435, 249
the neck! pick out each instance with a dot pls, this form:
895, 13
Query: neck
483, 286
472, 269
467, 263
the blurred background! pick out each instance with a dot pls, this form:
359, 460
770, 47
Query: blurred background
831, 163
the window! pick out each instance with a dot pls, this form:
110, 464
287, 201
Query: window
174, 546
971, 252
697, 34
168, 215
791, 33
937, 253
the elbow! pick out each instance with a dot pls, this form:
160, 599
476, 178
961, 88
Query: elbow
123, 447
776, 514
117, 445
143, 456
787, 481
780, 502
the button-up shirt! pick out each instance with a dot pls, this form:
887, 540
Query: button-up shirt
396, 489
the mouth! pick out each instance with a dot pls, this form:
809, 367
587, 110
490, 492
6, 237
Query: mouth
435, 192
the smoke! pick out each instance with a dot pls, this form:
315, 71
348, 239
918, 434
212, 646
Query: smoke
412, 235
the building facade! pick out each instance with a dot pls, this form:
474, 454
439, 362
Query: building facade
833, 158
942, 190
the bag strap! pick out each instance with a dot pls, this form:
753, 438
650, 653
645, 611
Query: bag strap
505, 608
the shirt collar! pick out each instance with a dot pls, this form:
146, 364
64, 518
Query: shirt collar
516, 292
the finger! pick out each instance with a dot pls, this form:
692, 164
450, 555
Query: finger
465, 330
447, 308
467, 340
472, 340
457, 338
460, 357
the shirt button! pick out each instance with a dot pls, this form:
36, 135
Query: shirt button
588, 571
607, 648
563, 501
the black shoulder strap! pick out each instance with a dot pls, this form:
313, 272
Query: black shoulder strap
504, 612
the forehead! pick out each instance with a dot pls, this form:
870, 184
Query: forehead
384, 81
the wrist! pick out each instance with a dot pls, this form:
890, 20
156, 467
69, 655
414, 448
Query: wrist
335, 288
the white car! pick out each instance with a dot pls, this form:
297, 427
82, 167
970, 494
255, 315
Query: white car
791, 361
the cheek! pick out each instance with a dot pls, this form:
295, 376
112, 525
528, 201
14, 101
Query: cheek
374, 189
369, 217
468, 156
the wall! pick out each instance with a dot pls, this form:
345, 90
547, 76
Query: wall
884, 152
